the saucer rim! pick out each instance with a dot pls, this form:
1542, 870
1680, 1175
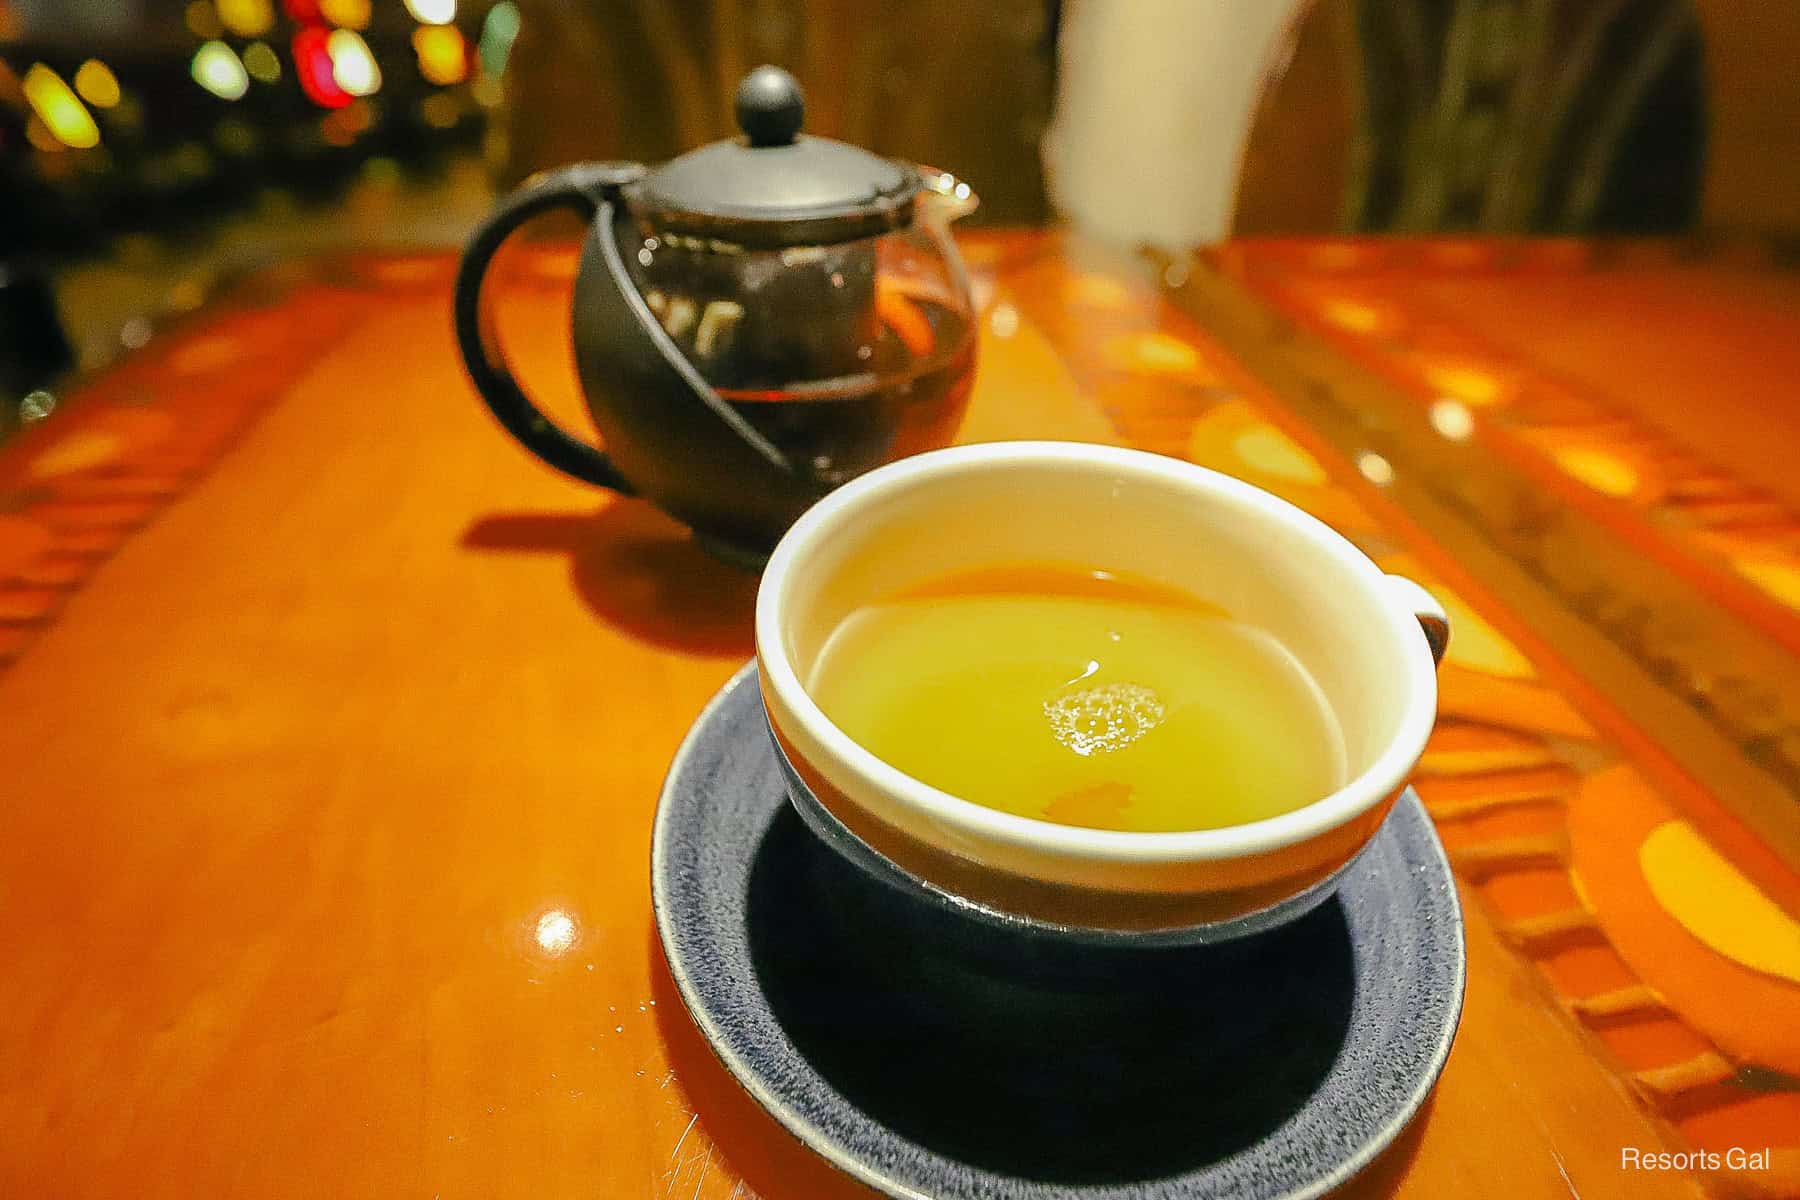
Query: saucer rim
818, 1141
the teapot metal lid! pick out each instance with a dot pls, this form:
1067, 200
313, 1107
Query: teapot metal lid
775, 186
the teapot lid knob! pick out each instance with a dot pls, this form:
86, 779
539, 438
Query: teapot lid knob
770, 107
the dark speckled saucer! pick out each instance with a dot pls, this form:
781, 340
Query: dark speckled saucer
929, 1059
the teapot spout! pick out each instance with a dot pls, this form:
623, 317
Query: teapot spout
944, 198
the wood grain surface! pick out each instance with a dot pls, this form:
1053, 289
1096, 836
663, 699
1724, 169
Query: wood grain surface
325, 815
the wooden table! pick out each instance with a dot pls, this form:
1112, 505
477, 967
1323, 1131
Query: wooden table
333, 728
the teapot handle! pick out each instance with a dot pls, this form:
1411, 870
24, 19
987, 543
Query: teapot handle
593, 190
586, 188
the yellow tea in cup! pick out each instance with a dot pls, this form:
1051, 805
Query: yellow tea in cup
1082, 697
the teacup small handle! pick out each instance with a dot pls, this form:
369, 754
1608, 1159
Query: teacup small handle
1425, 606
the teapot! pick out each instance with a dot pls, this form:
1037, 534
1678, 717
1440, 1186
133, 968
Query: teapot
755, 321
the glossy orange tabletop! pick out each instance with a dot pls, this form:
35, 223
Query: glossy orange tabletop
333, 728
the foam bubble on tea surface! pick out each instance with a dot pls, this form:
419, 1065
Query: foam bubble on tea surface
1104, 717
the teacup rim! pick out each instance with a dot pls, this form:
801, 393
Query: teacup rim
1383, 777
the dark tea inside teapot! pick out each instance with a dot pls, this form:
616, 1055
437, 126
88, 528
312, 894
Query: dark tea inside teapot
755, 322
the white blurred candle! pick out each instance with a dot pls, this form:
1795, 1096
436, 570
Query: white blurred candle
1154, 103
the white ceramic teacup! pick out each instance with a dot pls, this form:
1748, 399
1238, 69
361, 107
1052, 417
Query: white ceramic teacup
1355, 629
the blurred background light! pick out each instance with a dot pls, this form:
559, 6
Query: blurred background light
443, 54
262, 63
350, 14
441, 111
498, 33
39, 135
313, 66
97, 84
63, 115
217, 68
342, 127
236, 138
432, 12
487, 90
1376, 469
203, 19
1453, 419
247, 18
352, 64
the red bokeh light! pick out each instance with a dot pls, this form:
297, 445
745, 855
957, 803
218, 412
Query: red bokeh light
312, 63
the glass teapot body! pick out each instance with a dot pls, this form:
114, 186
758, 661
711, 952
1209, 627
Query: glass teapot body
755, 321
832, 358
